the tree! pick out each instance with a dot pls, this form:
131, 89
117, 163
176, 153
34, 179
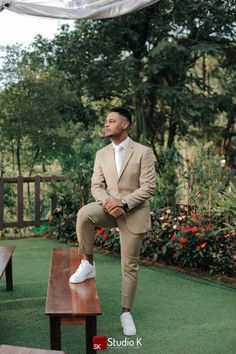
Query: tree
148, 61
31, 121
166, 63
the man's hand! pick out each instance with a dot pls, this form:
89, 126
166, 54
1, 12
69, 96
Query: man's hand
116, 212
112, 203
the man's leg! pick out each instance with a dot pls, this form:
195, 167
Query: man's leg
130, 249
89, 217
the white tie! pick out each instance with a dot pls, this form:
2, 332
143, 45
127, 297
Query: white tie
118, 157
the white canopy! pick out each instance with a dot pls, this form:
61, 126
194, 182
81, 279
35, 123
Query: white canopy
75, 9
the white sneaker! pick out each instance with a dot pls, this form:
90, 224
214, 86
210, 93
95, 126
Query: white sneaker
127, 323
85, 271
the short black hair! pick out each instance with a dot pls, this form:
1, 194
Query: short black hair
124, 112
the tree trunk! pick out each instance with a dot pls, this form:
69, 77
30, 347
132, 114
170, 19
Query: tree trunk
2, 162
13, 157
18, 160
139, 115
172, 128
34, 161
227, 138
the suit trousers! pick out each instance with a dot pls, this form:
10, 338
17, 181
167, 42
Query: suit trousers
93, 215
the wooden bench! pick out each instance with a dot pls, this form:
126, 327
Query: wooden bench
6, 264
10, 349
70, 304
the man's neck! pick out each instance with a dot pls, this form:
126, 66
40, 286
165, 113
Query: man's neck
119, 140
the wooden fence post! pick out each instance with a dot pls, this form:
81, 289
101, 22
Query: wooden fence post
54, 196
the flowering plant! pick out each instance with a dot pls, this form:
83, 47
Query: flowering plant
108, 238
63, 225
183, 237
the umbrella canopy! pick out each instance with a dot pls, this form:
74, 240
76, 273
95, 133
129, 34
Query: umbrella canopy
75, 9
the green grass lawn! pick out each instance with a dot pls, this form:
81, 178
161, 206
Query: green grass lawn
174, 312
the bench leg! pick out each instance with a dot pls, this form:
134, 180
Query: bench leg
8, 273
91, 330
55, 332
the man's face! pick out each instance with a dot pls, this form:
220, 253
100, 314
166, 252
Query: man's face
115, 125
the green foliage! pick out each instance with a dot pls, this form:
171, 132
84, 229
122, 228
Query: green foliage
182, 237
74, 192
208, 184
226, 205
167, 163
63, 218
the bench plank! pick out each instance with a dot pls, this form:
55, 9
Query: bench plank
65, 298
10, 349
6, 264
70, 303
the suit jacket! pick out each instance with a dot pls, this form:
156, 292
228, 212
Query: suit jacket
136, 182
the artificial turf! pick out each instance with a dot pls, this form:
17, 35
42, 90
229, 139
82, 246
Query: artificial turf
175, 313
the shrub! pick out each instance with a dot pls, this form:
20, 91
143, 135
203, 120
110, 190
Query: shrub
108, 239
63, 218
207, 184
74, 192
167, 164
183, 237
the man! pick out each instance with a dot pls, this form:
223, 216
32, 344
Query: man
122, 182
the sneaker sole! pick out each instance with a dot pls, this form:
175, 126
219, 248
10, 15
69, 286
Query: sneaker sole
81, 281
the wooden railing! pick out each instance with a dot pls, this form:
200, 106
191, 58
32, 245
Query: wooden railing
19, 181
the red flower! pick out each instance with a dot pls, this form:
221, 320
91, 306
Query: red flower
192, 229
105, 237
195, 215
51, 218
203, 245
183, 229
100, 231
63, 223
183, 240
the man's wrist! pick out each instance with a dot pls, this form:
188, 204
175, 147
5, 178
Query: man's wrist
125, 204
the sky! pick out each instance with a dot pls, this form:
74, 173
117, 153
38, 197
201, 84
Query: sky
21, 29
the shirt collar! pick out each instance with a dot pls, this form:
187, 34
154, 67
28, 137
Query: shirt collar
123, 144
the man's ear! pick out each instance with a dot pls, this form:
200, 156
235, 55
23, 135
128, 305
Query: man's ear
125, 125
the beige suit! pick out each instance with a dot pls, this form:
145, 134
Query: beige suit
136, 182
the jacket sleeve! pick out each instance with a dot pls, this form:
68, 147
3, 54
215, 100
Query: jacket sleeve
98, 185
147, 181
